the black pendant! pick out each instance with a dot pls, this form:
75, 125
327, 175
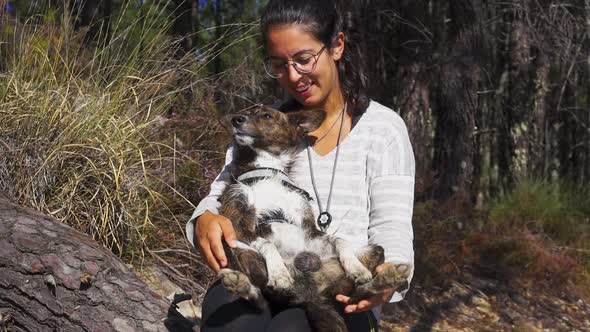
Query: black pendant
324, 220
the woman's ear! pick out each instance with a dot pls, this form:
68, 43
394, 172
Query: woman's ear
338, 47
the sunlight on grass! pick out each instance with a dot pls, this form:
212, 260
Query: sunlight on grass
78, 126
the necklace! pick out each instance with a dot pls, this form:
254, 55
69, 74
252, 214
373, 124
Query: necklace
325, 218
329, 129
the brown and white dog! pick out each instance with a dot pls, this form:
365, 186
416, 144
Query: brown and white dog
283, 257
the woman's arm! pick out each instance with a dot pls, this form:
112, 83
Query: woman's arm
391, 173
391, 196
212, 227
211, 201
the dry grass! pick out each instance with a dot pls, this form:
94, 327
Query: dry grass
79, 131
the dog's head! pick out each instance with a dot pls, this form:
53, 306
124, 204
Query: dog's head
270, 130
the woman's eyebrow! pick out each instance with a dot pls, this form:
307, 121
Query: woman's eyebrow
296, 54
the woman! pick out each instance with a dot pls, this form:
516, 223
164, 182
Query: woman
360, 165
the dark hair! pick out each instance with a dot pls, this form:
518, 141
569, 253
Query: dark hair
324, 19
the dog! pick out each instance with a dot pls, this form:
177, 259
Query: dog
282, 257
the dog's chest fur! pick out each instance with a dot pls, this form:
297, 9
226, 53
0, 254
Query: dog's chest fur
270, 197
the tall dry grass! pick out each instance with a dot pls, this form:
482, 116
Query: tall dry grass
83, 131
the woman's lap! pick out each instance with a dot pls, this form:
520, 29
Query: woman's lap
225, 312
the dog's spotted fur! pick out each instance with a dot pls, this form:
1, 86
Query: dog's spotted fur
290, 263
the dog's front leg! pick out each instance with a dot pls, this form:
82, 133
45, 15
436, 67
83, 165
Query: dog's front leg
352, 266
278, 274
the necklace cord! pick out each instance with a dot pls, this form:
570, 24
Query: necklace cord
329, 129
333, 168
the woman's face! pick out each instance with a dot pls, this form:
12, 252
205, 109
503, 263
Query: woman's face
314, 89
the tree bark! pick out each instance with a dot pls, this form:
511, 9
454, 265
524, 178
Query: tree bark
457, 101
55, 278
411, 84
587, 84
539, 157
514, 93
185, 18
3, 4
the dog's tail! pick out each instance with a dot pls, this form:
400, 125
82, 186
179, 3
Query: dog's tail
323, 317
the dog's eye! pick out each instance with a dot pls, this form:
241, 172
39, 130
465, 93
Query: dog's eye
267, 116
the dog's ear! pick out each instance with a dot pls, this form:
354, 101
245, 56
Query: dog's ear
225, 121
308, 120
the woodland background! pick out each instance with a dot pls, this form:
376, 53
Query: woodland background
108, 122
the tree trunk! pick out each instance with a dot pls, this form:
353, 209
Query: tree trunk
411, 84
513, 93
539, 157
587, 84
183, 26
55, 278
107, 11
457, 101
3, 4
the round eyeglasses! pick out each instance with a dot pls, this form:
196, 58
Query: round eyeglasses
303, 62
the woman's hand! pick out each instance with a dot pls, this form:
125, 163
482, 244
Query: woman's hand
369, 303
209, 230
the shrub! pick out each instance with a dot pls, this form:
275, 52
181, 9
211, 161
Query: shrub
557, 210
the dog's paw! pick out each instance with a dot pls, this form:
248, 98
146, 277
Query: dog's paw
391, 276
357, 272
281, 280
394, 275
236, 282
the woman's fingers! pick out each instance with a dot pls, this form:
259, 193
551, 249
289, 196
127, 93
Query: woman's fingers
342, 298
229, 234
214, 236
366, 305
207, 254
210, 230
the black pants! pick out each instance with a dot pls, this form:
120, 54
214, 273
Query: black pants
225, 312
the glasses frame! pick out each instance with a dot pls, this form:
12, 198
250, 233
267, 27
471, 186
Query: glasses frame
291, 62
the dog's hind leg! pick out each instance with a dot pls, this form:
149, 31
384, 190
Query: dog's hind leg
238, 283
249, 261
278, 275
391, 276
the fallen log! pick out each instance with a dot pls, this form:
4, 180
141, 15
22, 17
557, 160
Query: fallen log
54, 278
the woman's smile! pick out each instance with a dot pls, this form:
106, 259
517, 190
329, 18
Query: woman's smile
305, 90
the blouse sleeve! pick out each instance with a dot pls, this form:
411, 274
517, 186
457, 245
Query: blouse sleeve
211, 201
391, 199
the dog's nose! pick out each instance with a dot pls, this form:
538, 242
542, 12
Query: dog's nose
238, 120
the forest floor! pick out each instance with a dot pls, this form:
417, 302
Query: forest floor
476, 304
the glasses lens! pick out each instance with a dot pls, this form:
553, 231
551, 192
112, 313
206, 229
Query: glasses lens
274, 67
304, 62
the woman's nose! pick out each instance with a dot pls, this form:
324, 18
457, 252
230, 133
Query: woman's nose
293, 74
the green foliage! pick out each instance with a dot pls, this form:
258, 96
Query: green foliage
539, 230
558, 210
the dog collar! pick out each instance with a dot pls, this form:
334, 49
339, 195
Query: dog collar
266, 173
